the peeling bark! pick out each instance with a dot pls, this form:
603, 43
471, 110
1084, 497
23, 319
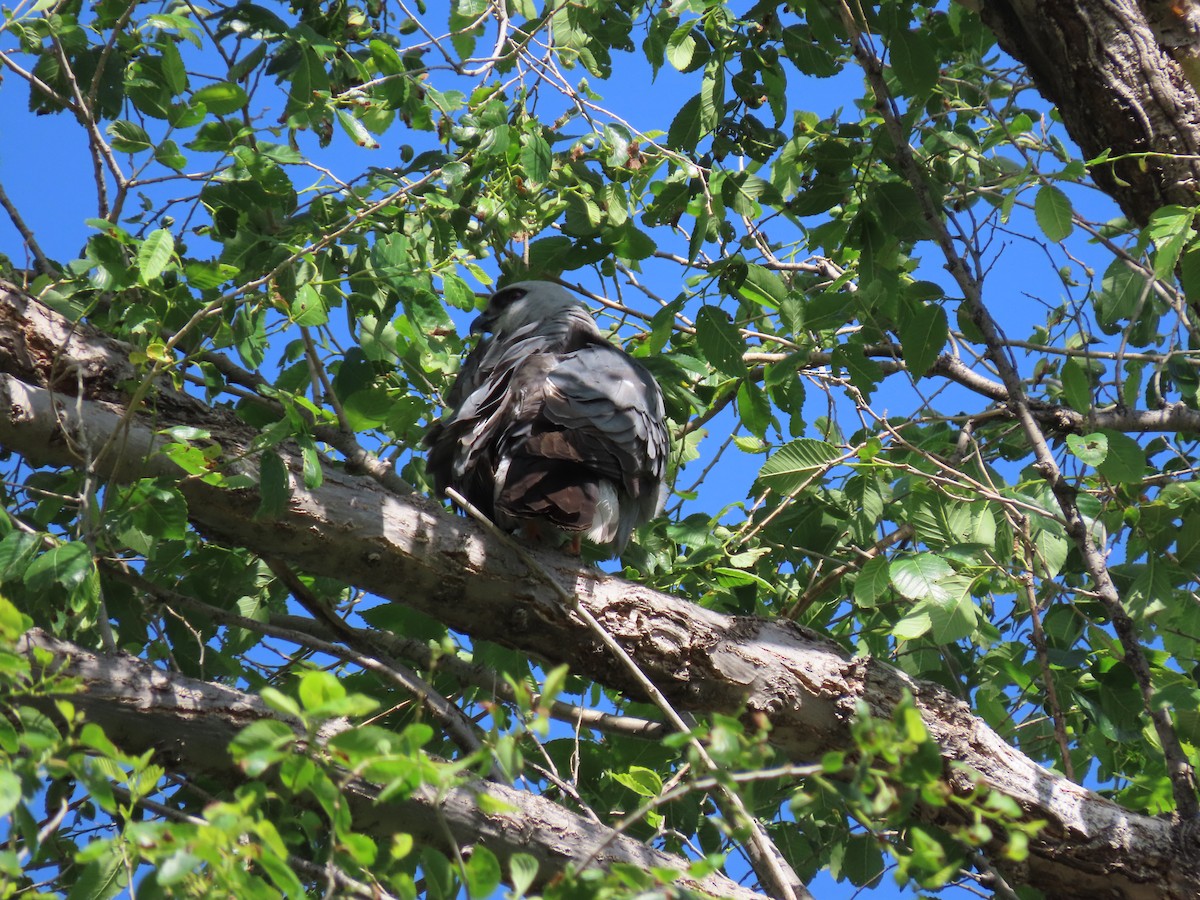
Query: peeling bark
407, 549
1118, 89
189, 725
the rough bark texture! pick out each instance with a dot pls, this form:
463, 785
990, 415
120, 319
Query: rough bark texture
190, 724
409, 550
1117, 88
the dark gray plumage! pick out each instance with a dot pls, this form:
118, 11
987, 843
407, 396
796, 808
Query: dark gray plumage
549, 423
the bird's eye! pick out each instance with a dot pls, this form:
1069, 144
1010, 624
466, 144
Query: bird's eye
506, 298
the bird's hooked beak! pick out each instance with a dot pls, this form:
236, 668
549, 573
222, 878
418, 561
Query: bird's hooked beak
483, 322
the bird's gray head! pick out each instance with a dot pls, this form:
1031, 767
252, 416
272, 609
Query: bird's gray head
524, 302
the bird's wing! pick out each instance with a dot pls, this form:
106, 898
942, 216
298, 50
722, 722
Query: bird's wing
611, 413
494, 398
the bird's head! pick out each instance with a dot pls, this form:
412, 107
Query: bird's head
526, 301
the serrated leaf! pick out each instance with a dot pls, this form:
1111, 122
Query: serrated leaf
1170, 227
308, 307
720, 341
921, 576
67, 564
872, 583
222, 98
915, 62
128, 137
158, 511
687, 50
1091, 449
1125, 462
274, 487
457, 293
924, 332
1052, 209
155, 254
1122, 292
536, 159
684, 133
912, 625
795, 463
753, 408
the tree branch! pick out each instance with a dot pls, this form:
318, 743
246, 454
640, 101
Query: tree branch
189, 724
410, 550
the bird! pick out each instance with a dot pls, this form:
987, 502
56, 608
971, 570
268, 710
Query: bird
550, 430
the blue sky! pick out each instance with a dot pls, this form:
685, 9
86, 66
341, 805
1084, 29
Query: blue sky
46, 170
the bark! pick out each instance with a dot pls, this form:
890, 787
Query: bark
407, 549
189, 725
1119, 86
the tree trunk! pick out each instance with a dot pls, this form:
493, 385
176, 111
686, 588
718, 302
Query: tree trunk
62, 403
1118, 87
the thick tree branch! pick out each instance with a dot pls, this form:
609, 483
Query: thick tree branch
1118, 90
1179, 768
409, 550
190, 724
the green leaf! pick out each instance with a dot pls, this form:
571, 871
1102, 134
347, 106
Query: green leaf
1077, 385
308, 307
630, 243
101, 878
915, 62
1092, 449
920, 577
754, 408
684, 132
687, 50
762, 286
128, 137
795, 463
318, 689
10, 792
1125, 462
222, 98
720, 341
274, 487
536, 159
483, 873
913, 625
155, 254
169, 155
924, 332
157, 510
67, 564
640, 780
712, 96
17, 550
385, 58
457, 292
873, 582
523, 869
1053, 212
1170, 227
1122, 292
356, 130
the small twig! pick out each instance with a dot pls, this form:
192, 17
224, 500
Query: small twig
43, 264
769, 863
457, 726
1179, 767
1038, 636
